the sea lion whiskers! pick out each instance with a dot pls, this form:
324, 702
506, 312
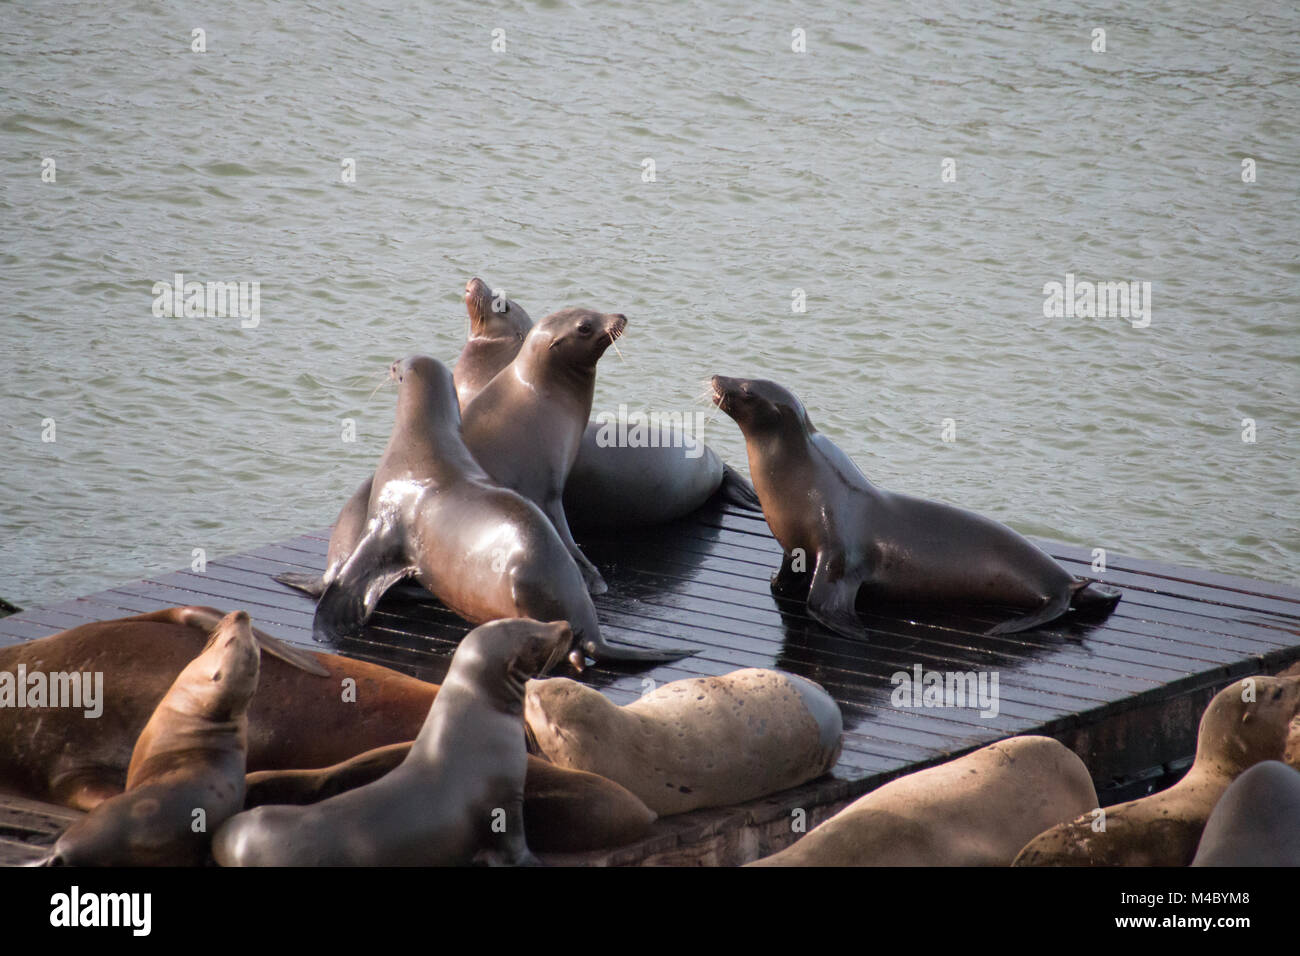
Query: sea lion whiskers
388, 377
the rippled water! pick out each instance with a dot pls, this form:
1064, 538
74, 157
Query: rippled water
775, 170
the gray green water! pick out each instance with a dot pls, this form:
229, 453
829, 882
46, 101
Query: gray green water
774, 170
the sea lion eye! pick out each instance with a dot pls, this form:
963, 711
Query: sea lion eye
584, 328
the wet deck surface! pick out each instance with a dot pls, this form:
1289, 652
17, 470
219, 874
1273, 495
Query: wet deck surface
1177, 635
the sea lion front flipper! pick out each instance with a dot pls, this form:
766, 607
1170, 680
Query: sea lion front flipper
789, 583
207, 618
554, 510
511, 847
377, 563
832, 597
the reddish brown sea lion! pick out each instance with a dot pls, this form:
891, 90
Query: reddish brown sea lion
297, 718
187, 769
457, 797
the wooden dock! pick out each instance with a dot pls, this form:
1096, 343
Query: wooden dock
1126, 693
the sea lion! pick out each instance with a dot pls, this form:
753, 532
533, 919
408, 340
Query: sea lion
497, 329
1245, 723
297, 718
861, 542
565, 811
700, 742
977, 810
526, 425
456, 798
485, 551
1256, 822
187, 769
611, 486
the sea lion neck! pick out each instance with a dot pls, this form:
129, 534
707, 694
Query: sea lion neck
538, 365
426, 432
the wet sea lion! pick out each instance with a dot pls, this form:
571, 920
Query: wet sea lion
1257, 821
525, 426
187, 769
862, 543
1244, 724
297, 718
610, 487
565, 811
485, 551
977, 810
700, 742
456, 798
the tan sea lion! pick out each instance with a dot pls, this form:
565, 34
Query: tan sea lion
977, 810
1245, 723
845, 540
565, 811
458, 795
1257, 821
700, 742
187, 769
485, 551
297, 718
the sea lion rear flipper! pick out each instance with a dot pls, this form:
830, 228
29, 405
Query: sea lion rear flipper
207, 618
1093, 599
736, 490
1051, 608
313, 584
603, 653
378, 562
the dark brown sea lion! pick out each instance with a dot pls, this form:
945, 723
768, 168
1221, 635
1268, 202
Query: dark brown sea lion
611, 487
1246, 722
845, 539
1256, 822
565, 811
525, 426
187, 769
485, 551
297, 718
458, 797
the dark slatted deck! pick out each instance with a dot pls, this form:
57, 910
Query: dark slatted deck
1125, 693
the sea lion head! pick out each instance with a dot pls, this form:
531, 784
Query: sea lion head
425, 377
576, 338
1248, 721
492, 315
224, 676
759, 406
507, 654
